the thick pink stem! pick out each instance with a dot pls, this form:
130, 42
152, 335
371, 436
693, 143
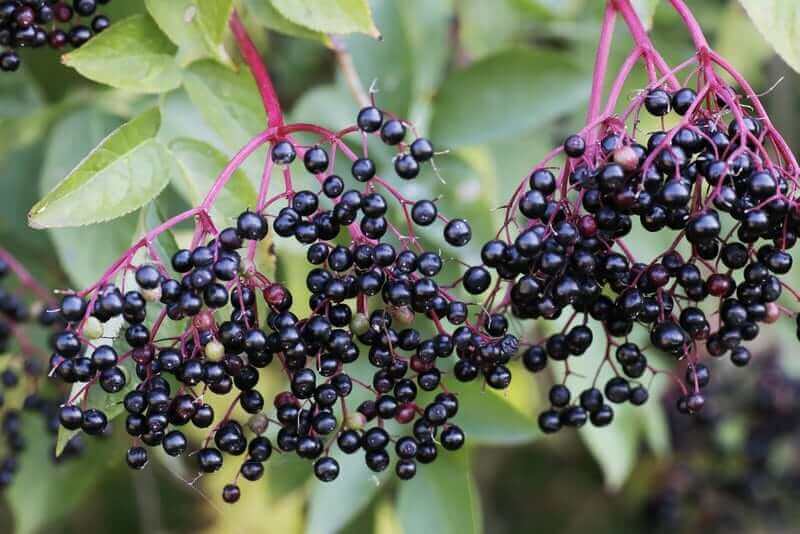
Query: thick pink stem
601, 66
639, 35
234, 164
259, 71
692, 25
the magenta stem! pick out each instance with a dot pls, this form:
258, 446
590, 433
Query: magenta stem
600, 67
642, 40
234, 164
259, 70
692, 25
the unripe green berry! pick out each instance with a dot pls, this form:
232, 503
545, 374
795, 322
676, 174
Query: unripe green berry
93, 328
359, 324
214, 351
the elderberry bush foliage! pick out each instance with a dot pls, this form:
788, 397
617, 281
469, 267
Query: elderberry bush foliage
721, 183
375, 296
24, 399
40, 23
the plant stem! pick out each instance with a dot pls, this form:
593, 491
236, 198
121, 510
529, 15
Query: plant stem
692, 25
349, 71
259, 70
601, 66
644, 43
234, 164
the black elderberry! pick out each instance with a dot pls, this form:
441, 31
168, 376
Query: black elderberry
249, 225
657, 102
457, 232
369, 119
574, 146
393, 132
406, 166
316, 160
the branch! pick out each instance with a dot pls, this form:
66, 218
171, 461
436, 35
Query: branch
259, 70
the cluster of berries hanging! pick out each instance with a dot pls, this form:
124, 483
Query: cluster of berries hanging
720, 181
369, 283
37, 23
167, 333
24, 397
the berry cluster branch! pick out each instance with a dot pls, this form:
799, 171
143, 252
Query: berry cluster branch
384, 267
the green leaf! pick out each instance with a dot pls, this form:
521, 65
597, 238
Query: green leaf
229, 102
213, 15
77, 248
124, 172
778, 21
334, 504
45, 492
267, 16
132, 54
182, 22
329, 16
201, 164
489, 419
646, 9
506, 94
441, 498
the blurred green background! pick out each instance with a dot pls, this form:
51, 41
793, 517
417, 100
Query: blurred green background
498, 83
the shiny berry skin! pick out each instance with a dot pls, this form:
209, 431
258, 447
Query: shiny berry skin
84, 8
477, 280
316, 160
253, 226
683, 99
549, 421
326, 469
424, 212
393, 132
9, 61
136, 457
283, 153
421, 149
406, 166
657, 102
79, 35
457, 232
369, 119
574, 146
209, 459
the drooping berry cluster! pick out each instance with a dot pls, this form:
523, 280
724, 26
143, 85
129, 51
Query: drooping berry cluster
374, 295
23, 365
721, 183
37, 23
207, 320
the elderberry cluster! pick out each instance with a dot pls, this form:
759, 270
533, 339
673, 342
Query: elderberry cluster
36, 23
374, 296
22, 371
710, 183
